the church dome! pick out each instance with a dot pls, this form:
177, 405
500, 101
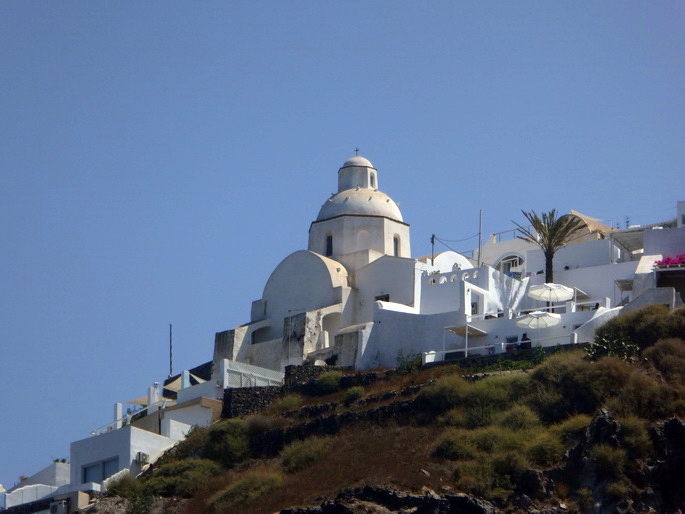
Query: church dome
360, 202
358, 161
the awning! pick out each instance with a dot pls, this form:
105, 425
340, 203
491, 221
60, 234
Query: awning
624, 284
463, 329
139, 401
581, 295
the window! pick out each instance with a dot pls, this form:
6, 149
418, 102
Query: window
373, 181
396, 245
383, 298
100, 470
509, 262
329, 245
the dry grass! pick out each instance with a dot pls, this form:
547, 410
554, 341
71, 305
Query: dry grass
362, 455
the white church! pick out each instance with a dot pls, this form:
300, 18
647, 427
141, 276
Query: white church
356, 297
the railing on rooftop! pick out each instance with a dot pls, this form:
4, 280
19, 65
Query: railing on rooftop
239, 374
494, 348
128, 418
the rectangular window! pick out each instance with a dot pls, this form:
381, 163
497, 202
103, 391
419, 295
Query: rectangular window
383, 298
109, 467
98, 471
329, 246
92, 473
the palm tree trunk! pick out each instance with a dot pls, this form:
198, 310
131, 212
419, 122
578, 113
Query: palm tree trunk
549, 269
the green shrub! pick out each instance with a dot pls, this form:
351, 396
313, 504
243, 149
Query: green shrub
302, 454
258, 425
610, 460
635, 437
482, 400
585, 500
191, 447
125, 486
567, 384
446, 393
353, 394
286, 403
508, 468
246, 490
328, 382
408, 362
617, 491
228, 442
495, 439
140, 504
456, 445
645, 326
475, 476
546, 450
620, 348
668, 356
643, 396
453, 418
182, 478
571, 431
518, 417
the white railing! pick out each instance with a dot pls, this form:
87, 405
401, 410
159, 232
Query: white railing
495, 348
239, 374
126, 420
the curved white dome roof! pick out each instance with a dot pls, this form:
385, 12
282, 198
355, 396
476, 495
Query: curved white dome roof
357, 160
364, 202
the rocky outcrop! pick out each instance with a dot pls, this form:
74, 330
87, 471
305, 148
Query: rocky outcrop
668, 438
382, 500
658, 478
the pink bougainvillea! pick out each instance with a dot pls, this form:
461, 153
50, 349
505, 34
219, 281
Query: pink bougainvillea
678, 259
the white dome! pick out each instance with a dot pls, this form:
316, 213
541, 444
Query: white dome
359, 161
362, 202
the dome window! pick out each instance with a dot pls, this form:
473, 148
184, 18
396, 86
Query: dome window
329, 245
396, 245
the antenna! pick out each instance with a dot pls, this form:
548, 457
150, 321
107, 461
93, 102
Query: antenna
171, 372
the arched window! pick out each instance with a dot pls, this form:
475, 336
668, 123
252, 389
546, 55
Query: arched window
372, 179
509, 262
396, 246
329, 245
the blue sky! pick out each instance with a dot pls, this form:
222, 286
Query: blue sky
158, 159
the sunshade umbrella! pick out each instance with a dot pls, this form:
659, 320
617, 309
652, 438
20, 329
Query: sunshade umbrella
550, 292
538, 319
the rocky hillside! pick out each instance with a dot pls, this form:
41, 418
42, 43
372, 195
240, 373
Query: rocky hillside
597, 431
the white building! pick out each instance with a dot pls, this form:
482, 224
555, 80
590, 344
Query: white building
356, 297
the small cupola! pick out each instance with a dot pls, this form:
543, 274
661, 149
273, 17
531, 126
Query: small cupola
357, 172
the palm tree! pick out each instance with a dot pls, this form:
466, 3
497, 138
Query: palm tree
550, 233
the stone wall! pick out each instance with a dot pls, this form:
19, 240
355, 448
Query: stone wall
303, 374
244, 401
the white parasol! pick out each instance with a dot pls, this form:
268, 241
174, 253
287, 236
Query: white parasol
538, 319
550, 292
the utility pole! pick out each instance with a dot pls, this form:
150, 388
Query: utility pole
480, 237
171, 372
433, 250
